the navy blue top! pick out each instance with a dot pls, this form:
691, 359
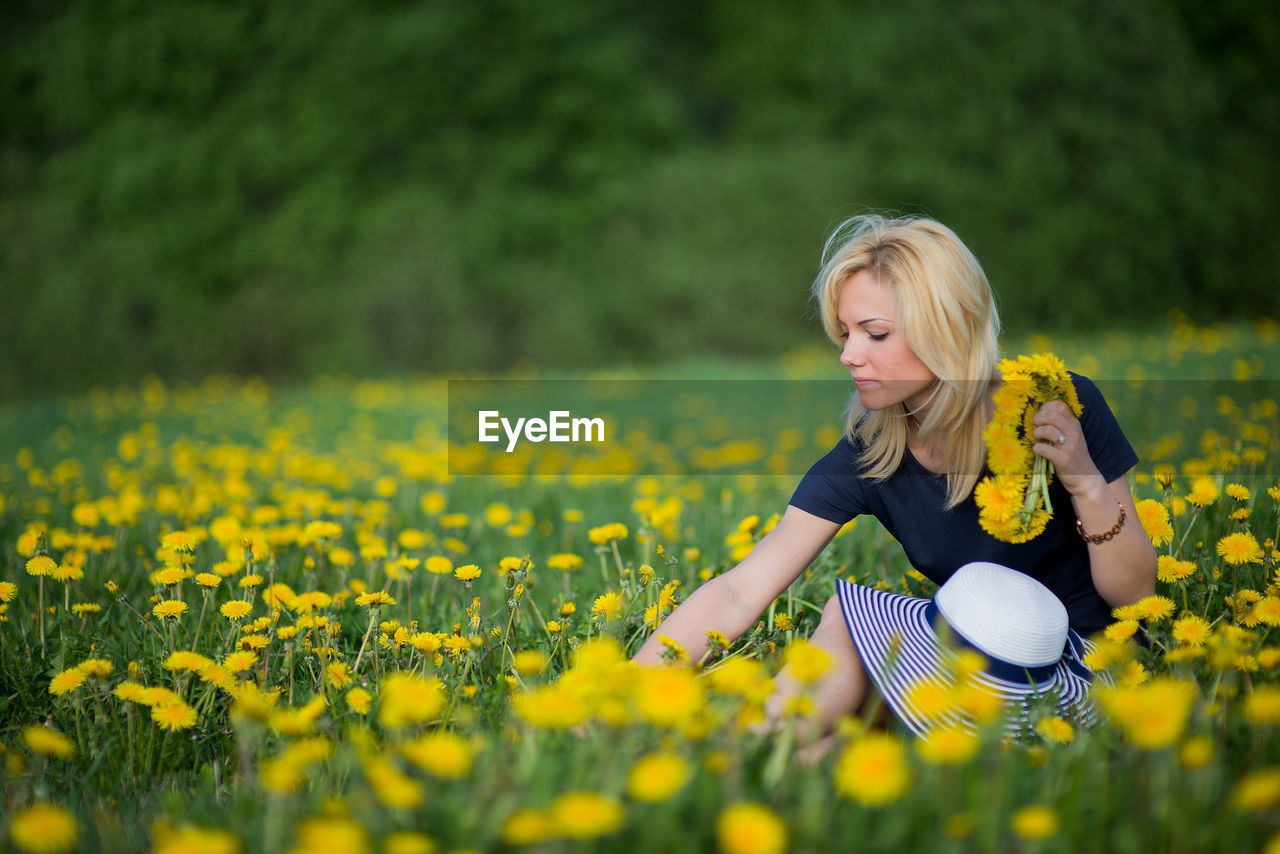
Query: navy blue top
910, 502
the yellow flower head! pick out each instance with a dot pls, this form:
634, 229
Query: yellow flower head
1055, 729
169, 609
444, 754
607, 533
1239, 548
470, 572
1034, 822
41, 565
657, 777
48, 742
746, 828
173, 715
948, 745
873, 770
1192, 630
1155, 521
807, 662
66, 681
1171, 570
43, 828
607, 606
585, 815
1152, 714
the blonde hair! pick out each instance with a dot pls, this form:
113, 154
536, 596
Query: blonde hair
948, 315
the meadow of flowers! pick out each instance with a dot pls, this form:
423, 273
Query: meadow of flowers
235, 618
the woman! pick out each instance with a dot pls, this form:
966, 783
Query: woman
912, 312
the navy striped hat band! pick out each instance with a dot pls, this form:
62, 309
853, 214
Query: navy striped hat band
1007, 670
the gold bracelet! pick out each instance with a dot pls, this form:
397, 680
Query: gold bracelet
1103, 537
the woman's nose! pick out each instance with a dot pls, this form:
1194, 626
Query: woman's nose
850, 354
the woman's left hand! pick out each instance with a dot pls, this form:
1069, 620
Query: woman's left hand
1060, 440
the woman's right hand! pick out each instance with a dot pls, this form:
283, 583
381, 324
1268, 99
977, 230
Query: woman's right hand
730, 603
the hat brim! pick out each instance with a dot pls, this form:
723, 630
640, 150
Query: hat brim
900, 649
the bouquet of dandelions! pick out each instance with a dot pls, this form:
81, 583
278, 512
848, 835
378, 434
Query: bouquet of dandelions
1013, 503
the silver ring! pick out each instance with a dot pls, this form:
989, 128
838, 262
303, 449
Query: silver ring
1062, 439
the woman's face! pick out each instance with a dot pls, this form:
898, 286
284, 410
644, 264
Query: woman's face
875, 350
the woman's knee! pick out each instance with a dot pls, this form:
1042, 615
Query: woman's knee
832, 612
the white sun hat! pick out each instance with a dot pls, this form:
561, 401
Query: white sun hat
1014, 621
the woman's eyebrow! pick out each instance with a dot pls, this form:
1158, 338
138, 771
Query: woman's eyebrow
873, 319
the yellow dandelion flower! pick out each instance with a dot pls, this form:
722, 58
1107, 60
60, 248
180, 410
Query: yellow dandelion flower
239, 662
807, 662
1204, 491
184, 660
1257, 792
179, 541
1155, 521
999, 497
607, 533
47, 741
1006, 453
316, 835
529, 662
1196, 752
1171, 570
1266, 611
1055, 729
41, 565
1238, 492
607, 606
948, 745
1121, 631
174, 715
1034, 822
1152, 715
169, 609
930, 699
443, 754
469, 572
408, 842
96, 668
1263, 706
873, 770
745, 828
195, 840
657, 777
585, 815
406, 699
668, 696
43, 828
130, 691
564, 562
1239, 548
1153, 609
527, 827
550, 707
66, 682
8, 591
438, 565
1192, 630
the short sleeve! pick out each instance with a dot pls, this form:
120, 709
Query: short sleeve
833, 489
1111, 451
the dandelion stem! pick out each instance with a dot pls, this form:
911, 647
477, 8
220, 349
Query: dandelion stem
373, 617
200, 622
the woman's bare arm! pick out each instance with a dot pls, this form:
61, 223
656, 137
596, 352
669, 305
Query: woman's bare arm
730, 603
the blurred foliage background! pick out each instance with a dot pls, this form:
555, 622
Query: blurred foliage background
281, 189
